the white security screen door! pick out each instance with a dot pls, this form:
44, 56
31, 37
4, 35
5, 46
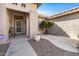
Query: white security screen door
18, 27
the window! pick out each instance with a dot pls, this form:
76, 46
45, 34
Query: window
19, 17
14, 3
23, 5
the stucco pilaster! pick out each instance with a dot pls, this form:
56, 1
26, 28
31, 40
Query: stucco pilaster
3, 22
33, 23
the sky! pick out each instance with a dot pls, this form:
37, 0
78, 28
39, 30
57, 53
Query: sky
50, 9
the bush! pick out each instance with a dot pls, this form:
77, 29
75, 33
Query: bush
45, 25
78, 35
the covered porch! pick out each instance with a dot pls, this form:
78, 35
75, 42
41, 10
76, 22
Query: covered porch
19, 22
23, 23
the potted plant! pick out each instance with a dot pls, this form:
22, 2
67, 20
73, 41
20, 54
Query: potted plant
78, 42
44, 25
37, 37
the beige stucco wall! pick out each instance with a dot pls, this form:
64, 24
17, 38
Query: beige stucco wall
33, 23
32, 19
18, 7
68, 24
34, 6
3, 22
32, 27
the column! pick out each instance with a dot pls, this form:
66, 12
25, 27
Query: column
33, 23
3, 23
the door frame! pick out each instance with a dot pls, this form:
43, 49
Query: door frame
22, 18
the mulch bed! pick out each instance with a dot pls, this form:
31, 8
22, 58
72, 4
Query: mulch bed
46, 48
3, 49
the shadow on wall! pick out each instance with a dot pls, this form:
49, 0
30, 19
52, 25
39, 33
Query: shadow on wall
56, 30
67, 17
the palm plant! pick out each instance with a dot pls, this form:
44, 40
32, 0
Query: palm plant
44, 25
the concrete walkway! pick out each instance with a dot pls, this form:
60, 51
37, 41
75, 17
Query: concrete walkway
20, 47
62, 42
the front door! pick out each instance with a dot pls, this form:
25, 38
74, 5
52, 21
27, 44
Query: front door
18, 26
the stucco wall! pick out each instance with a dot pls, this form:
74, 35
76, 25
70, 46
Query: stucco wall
3, 22
33, 23
5, 17
66, 25
32, 18
18, 7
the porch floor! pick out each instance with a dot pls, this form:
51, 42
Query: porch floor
20, 47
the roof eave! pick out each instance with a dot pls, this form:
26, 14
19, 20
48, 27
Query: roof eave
38, 4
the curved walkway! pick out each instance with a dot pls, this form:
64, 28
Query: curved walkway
62, 42
46, 48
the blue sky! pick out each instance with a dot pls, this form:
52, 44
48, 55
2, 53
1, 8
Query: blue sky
50, 9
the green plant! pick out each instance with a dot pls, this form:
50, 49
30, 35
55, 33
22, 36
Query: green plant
78, 35
44, 25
